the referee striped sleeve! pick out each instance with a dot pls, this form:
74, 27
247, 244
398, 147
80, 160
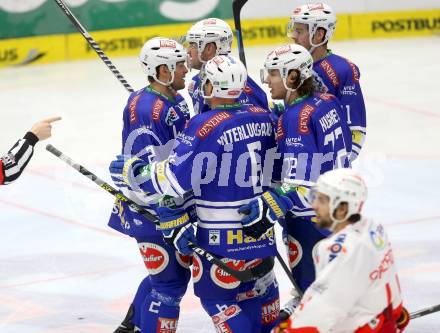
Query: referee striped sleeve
14, 162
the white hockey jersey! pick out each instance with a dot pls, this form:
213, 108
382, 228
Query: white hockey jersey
356, 280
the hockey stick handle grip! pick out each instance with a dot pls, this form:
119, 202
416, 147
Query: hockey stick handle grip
101, 183
237, 5
93, 44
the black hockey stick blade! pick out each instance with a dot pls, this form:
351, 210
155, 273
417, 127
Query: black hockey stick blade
237, 5
246, 275
93, 44
424, 312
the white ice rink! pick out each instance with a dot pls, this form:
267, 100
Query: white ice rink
62, 270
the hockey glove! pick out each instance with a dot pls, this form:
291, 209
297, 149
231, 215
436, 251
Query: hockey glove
177, 229
124, 170
262, 213
403, 320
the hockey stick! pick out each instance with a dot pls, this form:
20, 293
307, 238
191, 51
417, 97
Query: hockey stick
424, 312
237, 5
246, 275
93, 44
289, 274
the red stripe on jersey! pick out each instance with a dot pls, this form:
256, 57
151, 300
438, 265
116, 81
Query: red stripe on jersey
2, 177
304, 118
132, 109
330, 72
157, 108
209, 125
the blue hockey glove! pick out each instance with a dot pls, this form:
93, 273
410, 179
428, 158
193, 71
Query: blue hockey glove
262, 213
176, 228
124, 170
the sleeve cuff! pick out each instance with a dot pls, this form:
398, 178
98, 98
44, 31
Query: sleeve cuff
31, 138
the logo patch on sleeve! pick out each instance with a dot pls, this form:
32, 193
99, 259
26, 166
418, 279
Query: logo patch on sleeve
354, 71
157, 108
304, 118
330, 72
209, 125
132, 109
256, 109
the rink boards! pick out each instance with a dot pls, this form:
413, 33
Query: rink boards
127, 42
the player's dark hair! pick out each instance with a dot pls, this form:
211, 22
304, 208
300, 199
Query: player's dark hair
150, 78
354, 218
307, 86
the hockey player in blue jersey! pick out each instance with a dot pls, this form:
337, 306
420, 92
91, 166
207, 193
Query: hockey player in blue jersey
221, 156
152, 118
313, 137
207, 39
312, 26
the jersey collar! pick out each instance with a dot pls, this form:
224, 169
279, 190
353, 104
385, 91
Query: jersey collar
154, 91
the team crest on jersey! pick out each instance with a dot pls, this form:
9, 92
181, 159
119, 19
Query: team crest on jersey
378, 237
171, 117
281, 133
197, 268
184, 261
271, 311
337, 247
223, 279
209, 125
166, 325
132, 109
330, 72
304, 118
157, 108
294, 251
155, 257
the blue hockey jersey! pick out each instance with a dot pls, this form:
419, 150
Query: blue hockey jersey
150, 123
313, 138
221, 156
252, 94
340, 77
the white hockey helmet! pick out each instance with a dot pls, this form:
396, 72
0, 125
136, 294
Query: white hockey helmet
286, 58
227, 75
161, 51
342, 185
211, 30
316, 15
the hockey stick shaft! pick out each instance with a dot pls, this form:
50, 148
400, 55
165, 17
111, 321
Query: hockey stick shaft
237, 5
244, 275
289, 274
424, 312
93, 44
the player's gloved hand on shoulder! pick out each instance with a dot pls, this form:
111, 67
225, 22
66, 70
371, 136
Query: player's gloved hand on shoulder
124, 170
176, 228
262, 213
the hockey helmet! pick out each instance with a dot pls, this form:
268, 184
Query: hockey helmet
161, 51
317, 15
227, 75
211, 30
